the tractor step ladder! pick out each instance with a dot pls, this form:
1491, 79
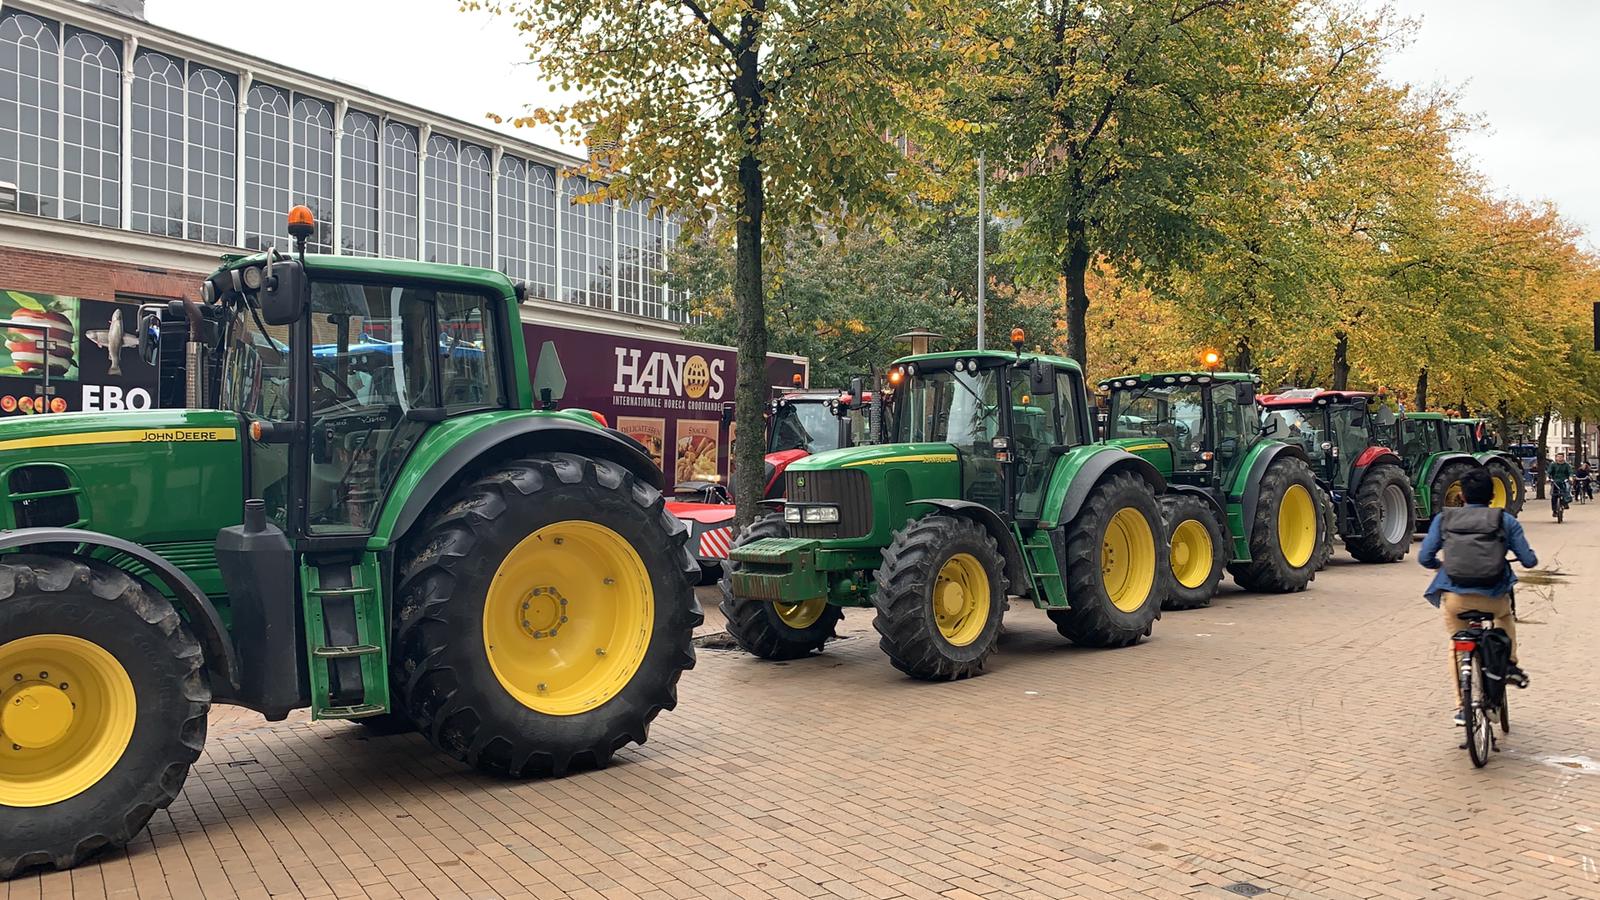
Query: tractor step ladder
345, 638
1043, 560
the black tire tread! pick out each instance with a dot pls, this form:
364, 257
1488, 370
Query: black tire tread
1368, 545
1092, 621
53, 574
432, 559
909, 569
1267, 571
1449, 472
751, 622
1176, 509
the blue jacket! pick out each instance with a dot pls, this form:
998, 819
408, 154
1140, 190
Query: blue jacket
1516, 542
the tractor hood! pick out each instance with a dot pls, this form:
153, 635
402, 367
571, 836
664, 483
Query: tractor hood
1153, 450
899, 455
61, 430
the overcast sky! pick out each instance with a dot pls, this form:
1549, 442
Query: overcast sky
1530, 69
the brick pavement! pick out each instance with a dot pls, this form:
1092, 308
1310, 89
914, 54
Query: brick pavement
1297, 743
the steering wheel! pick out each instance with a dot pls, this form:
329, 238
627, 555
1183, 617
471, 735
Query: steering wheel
324, 382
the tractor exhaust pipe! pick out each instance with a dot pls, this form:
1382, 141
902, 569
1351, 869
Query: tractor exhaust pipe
193, 360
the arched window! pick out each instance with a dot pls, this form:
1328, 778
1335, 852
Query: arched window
443, 212
358, 216
399, 191
574, 240
266, 168
313, 168
29, 108
91, 139
213, 139
157, 144
630, 246
477, 225
542, 231
513, 193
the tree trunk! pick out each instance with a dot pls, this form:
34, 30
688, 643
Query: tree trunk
1341, 361
1503, 426
1542, 463
1242, 358
750, 389
1075, 269
1422, 389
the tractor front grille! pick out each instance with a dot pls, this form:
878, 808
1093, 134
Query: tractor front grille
845, 488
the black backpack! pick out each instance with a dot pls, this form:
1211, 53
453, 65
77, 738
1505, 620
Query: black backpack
1474, 545
1494, 655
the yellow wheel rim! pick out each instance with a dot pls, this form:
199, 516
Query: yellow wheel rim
1128, 559
1191, 553
67, 709
1297, 525
568, 617
1453, 495
1499, 499
961, 599
800, 615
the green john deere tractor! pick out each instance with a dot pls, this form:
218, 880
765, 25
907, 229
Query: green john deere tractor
1435, 466
362, 509
1237, 499
1472, 436
991, 485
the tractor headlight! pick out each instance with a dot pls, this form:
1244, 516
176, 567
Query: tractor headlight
791, 515
820, 515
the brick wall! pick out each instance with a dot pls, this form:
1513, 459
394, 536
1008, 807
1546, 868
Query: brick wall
92, 279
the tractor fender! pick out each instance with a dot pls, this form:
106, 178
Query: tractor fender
1016, 569
1251, 496
1210, 499
202, 616
1106, 462
1440, 460
527, 434
1372, 456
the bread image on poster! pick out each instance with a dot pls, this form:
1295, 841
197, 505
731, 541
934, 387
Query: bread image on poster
696, 458
652, 433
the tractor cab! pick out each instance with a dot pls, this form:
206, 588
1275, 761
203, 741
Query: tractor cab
1436, 456
1201, 425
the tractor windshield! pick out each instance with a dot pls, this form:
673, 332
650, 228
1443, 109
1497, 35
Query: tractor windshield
1174, 414
1305, 428
961, 408
805, 425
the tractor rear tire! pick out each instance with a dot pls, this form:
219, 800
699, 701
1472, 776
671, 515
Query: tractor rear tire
1385, 510
1286, 536
773, 631
1449, 476
484, 592
1510, 483
941, 593
1330, 529
110, 656
1115, 534
1198, 549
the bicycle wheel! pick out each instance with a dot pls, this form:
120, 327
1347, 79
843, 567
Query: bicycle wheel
1479, 736
1505, 713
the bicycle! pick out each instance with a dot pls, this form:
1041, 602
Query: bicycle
1478, 703
1559, 500
1583, 491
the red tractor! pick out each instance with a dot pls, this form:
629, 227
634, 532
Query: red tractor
799, 423
1347, 436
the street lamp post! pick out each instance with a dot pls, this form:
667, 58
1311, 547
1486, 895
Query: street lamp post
983, 228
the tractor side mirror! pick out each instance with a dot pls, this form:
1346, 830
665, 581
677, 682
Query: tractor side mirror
1247, 394
858, 389
150, 338
1041, 378
1274, 427
285, 292
1384, 417
727, 414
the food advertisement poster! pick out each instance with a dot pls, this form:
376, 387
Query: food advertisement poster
65, 354
696, 451
650, 432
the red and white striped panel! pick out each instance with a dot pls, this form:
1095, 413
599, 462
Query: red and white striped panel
715, 542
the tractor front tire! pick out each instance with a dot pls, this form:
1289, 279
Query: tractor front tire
1118, 567
544, 615
1286, 535
1330, 529
1509, 487
1385, 511
1198, 549
103, 704
941, 593
1445, 489
775, 631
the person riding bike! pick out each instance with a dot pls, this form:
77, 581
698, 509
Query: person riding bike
1474, 574
1560, 475
1583, 480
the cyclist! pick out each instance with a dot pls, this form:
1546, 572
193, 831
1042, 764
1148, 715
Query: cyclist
1474, 539
1583, 480
1559, 475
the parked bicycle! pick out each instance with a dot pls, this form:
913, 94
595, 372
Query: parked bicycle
1481, 672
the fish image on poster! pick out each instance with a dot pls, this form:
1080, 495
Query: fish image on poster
114, 339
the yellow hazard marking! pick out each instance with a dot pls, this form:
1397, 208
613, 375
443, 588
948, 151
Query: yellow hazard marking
129, 436
915, 458
1160, 445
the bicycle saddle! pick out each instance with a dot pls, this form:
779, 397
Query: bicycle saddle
1475, 615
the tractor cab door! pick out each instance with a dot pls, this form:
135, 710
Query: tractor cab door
1234, 426
1038, 418
1349, 429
